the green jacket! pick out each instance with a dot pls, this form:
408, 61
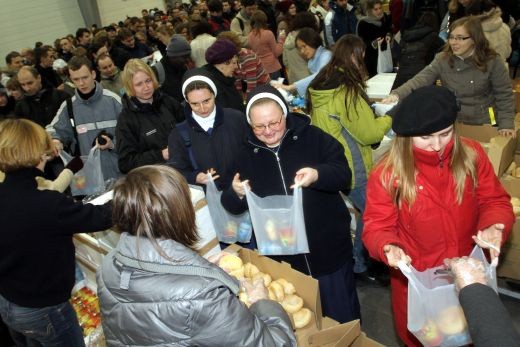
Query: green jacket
328, 110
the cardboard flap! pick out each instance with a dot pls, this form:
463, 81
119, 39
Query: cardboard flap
481, 133
364, 341
339, 335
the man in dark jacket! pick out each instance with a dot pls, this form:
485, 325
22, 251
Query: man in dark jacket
135, 49
39, 105
222, 62
217, 22
344, 20
44, 60
283, 149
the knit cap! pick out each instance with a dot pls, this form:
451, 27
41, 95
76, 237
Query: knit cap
221, 51
178, 47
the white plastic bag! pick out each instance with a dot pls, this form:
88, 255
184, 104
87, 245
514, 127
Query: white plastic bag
278, 223
384, 59
89, 180
435, 316
230, 228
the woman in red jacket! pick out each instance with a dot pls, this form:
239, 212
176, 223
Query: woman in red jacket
431, 195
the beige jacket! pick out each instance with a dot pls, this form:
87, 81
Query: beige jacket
497, 32
477, 91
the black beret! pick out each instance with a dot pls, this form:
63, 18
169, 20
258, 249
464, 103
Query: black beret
425, 111
221, 51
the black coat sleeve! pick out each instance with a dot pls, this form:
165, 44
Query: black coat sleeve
489, 322
130, 155
179, 157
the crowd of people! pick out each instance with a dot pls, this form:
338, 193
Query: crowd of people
215, 103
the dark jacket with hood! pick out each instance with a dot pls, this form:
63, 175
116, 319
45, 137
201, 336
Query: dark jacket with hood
369, 32
227, 96
172, 84
418, 48
143, 129
7, 111
271, 171
41, 107
216, 149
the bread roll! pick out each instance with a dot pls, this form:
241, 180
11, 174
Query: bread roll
515, 201
277, 290
292, 303
451, 320
288, 287
517, 172
250, 270
238, 273
302, 318
272, 296
230, 262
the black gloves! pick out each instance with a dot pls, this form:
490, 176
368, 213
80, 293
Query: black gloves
75, 164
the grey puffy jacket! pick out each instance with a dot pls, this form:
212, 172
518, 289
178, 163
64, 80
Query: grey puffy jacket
189, 302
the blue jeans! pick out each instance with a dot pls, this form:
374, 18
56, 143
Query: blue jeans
358, 197
54, 326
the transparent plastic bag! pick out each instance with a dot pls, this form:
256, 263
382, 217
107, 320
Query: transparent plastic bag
384, 59
89, 180
230, 228
278, 223
435, 316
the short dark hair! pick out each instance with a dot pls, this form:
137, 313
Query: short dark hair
80, 32
10, 56
110, 28
41, 52
202, 27
310, 37
75, 63
215, 6
124, 33
370, 4
304, 20
246, 3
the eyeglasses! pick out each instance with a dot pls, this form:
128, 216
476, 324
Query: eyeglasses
458, 38
259, 129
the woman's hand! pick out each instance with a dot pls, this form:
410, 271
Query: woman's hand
390, 99
238, 186
202, 178
165, 154
305, 177
507, 132
394, 254
490, 238
288, 88
108, 144
58, 146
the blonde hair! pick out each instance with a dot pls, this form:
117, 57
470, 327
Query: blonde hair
23, 144
154, 201
231, 36
132, 67
398, 173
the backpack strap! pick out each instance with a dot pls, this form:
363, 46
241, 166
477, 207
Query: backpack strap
241, 23
159, 71
183, 129
70, 111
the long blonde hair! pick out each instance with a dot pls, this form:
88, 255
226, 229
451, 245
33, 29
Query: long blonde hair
398, 174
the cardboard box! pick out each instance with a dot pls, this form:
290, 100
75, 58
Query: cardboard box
332, 334
499, 149
509, 265
306, 286
364, 341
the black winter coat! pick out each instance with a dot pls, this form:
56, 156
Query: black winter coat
227, 94
216, 150
418, 47
370, 32
142, 130
172, 84
42, 107
327, 220
38, 259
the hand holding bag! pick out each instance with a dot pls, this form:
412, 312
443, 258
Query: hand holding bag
384, 59
278, 223
435, 316
230, 228
88, 180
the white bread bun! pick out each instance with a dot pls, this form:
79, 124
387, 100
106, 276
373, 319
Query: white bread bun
451, 320
302, 318
277, 290
250, 270
230, 262
288, 287
292, 303
264, 276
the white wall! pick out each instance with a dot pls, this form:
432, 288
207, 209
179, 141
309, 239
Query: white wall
113, 11
23, 22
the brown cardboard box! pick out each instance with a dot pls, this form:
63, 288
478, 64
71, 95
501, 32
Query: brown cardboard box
509, 265
332, 334
306, 287
364, 341
499, 149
